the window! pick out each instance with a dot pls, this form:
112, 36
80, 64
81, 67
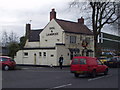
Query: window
25, 53
75, 61
82, 61
12, 60
44, 53
46, 40
3, 59
80, 38
68, 54
72, 39
99, 62
87, 39
40, 54
79, 61
52, 55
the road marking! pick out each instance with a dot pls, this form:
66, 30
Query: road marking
31, 68
99, 77
59, 86
62, 86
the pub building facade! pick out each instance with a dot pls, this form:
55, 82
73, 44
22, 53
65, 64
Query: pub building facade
59, 37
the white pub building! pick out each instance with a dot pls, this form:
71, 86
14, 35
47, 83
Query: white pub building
59, 37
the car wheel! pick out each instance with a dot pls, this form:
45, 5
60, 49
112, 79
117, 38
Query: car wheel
93, 73
76, 75
106, 72
6, 67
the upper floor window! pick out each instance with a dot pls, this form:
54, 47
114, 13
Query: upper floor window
72, 39
81, 38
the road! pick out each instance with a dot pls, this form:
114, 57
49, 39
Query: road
54, 78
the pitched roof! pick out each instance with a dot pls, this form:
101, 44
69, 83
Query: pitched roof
74, 27
34, 35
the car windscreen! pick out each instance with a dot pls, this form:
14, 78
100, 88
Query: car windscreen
3, 59
79, 61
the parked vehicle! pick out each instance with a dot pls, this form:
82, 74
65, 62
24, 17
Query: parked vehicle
113, 62
104, 59
87, 65
7, 63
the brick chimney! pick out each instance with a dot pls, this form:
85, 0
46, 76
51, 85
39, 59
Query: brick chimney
28, 28
81, 20
52, 14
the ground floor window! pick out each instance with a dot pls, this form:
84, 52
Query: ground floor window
74, 52
44, 53
87, 52
40, 54
52, 55
25, 53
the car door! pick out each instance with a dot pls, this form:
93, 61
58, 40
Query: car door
75, 65
12, 62
99, 66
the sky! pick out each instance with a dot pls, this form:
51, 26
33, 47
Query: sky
14, 14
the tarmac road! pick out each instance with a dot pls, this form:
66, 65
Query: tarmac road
54, 78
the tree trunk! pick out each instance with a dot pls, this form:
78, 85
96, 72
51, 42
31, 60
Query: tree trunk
95, 46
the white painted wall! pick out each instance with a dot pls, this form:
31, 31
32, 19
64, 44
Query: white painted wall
40, 60
51, 40
32, 44
62, 50
19, 57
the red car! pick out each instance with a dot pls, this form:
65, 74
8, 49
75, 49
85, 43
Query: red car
7, 63
87, 65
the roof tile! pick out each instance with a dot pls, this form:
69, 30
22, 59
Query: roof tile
74, 27
34, 35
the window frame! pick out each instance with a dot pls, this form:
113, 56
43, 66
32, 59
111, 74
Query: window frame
73, 39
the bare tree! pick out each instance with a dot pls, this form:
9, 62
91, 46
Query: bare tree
102, 13
13, 37
9, 38
4, 40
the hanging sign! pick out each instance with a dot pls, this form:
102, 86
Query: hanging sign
84, 43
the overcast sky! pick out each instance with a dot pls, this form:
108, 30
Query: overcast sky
14, 14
